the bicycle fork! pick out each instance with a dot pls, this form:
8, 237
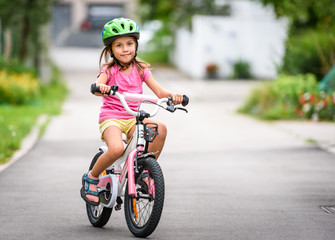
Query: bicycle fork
131, 172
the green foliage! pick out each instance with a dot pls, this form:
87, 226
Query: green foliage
309, 52
178, 13
24, 18
310, 47
242, 70
304, 14
15, 124
15, 66
290, 97
156, 57
160, 47
157, 9
18, 88
288, 89
16, 121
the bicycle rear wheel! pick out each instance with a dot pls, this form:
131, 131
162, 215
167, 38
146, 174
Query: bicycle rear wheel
97, 215
144, 212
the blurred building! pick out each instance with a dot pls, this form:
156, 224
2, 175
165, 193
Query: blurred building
251, 33
87, 15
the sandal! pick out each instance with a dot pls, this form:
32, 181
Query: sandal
86, 181
149, 182
143, 181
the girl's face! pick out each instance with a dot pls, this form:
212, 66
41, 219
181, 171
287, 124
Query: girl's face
124, 49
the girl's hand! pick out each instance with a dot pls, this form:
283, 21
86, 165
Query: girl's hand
177, 98
104, 89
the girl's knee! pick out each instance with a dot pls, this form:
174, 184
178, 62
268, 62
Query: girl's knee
162, 130
115, 151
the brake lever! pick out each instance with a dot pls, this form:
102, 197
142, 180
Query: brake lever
171, 108
180, 108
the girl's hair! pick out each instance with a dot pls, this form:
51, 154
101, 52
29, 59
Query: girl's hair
139, 64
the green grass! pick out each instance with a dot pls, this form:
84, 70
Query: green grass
311, 140
17, 121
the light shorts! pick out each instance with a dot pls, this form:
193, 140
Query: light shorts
124, 124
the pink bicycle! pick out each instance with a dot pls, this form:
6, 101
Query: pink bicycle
136, 176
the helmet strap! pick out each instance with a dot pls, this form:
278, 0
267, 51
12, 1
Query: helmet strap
124, 67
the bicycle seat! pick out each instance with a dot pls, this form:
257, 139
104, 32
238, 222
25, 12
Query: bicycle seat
124, 138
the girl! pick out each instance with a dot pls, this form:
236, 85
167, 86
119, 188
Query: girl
120, 37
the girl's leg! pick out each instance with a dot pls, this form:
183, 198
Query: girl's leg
113, 138
157, 145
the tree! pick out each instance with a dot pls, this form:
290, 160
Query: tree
23, 19
178, 12
304, 14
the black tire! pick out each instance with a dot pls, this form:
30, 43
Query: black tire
149, 210
98, 215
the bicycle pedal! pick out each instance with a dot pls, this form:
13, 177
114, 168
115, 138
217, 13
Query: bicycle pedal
117, 207
119, 203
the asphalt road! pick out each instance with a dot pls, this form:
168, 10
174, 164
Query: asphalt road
227, 176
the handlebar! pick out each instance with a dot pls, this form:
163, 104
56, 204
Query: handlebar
132, 97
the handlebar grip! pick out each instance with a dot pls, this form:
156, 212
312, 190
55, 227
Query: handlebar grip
95, 88
185, 100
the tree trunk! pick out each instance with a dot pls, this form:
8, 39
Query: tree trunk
24, 39
8, 44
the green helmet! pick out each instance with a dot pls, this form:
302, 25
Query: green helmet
119, 27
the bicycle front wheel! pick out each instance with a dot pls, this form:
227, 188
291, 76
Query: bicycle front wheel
143, 212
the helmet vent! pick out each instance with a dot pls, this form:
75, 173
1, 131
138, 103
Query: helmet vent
116, 31
122, 25
131, 28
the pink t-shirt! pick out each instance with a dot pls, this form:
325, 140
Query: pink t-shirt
131, 82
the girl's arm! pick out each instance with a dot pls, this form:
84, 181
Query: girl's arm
160, 92
101, 82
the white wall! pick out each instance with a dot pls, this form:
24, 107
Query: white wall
252, 33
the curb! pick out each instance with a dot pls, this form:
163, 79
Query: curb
27, 143
324, 141
327, 147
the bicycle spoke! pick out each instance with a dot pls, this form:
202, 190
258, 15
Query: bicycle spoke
144, 208
97, 210
145, 214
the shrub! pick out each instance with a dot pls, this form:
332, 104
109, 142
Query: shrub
287, 89
319, 106
18, 88
242, 70
15, 66
290, 97
309, 52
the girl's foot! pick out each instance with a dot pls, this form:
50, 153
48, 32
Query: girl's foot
89, 189
149, 182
